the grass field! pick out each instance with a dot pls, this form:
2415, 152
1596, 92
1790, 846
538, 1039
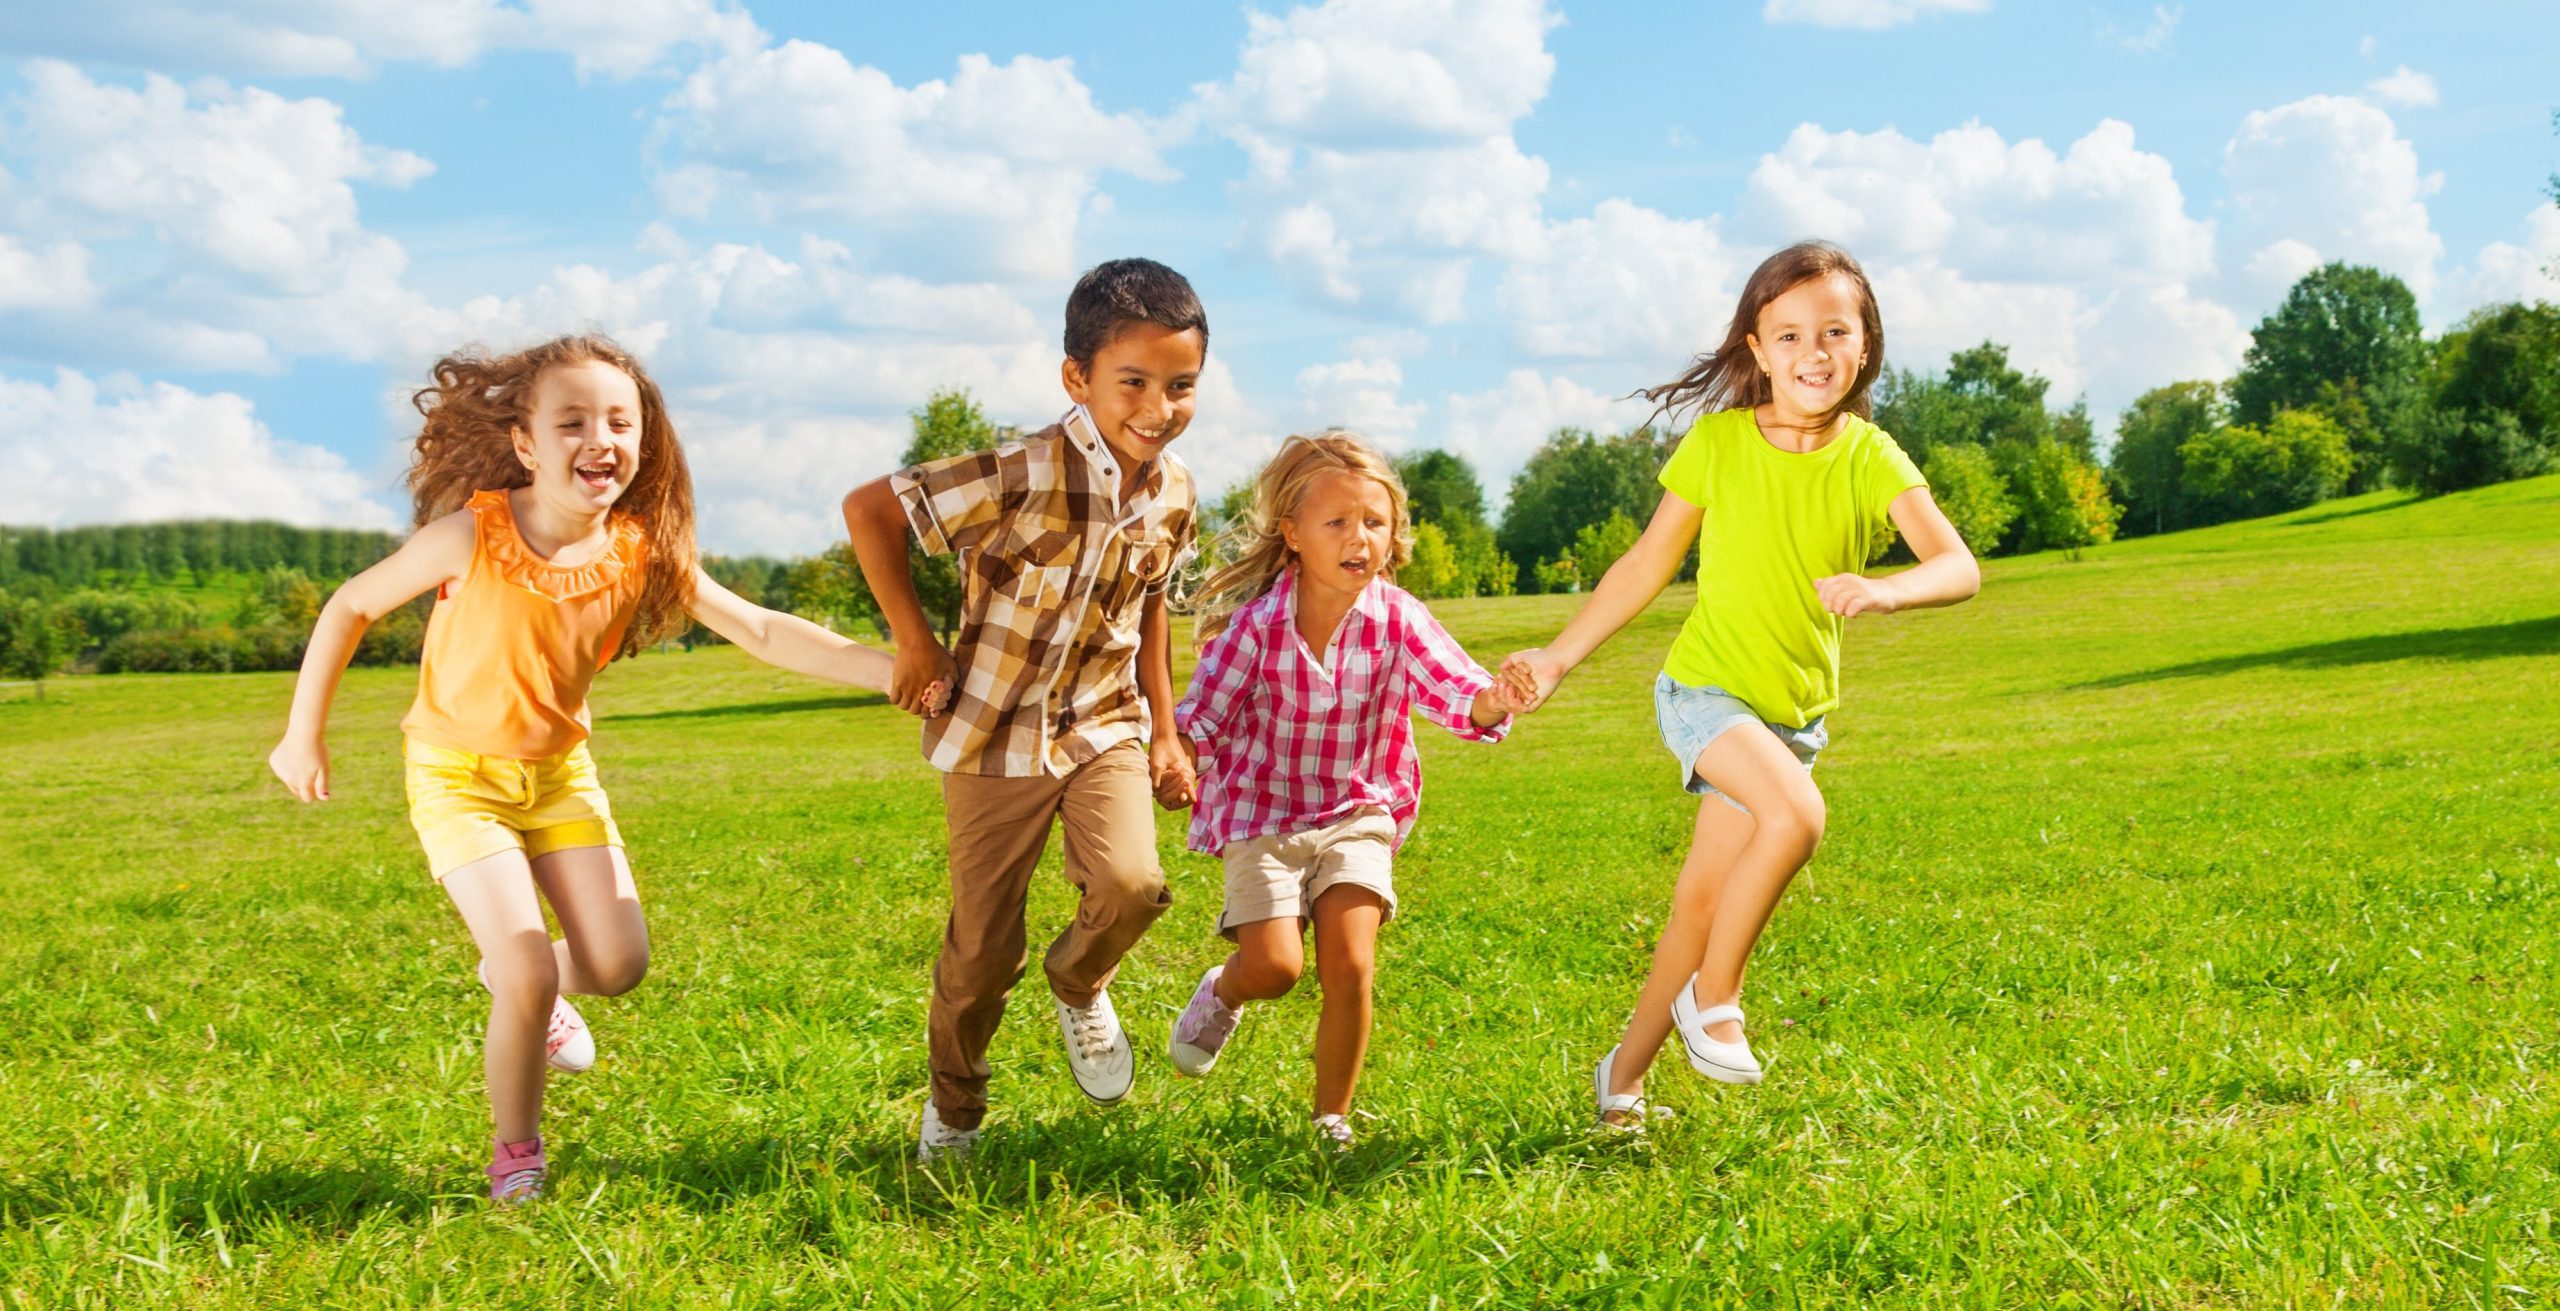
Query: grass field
2185, 936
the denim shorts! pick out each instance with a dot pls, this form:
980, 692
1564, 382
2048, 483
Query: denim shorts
1692, 717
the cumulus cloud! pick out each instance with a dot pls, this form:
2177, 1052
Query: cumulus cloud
1497, 429
80, 450
1626, 282
295, 38
2152, 39
2526, 270
1377, 135
2332, 176
1867, 14
204, 227
2404, 88
987, 174
1362, 395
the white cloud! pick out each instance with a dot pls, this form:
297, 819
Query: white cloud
1377, 135
1867, 14
1626, 282
2404, 88
79, 451
1497, 429
293, 38
1358, 73
2332, 175
988, 173
2150, 40
1361, 395
2506, 270
2103, 211
56, 277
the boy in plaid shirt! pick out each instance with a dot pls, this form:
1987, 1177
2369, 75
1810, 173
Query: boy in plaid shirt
1062, 680
1303, 705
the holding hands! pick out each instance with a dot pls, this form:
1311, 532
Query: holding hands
1528, 678
1174, 765
920, 682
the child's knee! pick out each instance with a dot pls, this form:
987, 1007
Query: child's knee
1797, 819
523, 986
617, 969
1346, 967
1267, 972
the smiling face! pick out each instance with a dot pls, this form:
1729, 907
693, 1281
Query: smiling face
582, 441
1812, 341
1139, 388
1343, 533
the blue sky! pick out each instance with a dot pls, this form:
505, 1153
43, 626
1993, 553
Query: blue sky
230, 240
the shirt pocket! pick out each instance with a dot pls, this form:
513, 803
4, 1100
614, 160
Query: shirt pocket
1145, 560
1044, 570
1312, 696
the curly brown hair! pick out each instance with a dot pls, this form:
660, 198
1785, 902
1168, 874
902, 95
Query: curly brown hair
479, 399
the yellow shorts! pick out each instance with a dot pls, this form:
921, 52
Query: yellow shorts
469, 807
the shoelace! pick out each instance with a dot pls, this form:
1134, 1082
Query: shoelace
560, 1032
523, 1185
1093, 1032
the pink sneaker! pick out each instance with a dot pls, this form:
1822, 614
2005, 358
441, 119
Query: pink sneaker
516, 1172
1204, 1027
567, 1044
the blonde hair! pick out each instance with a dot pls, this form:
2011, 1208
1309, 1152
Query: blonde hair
1253, 546
465, 446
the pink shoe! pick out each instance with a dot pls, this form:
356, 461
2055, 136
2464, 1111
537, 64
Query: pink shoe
516, 1172
566, 1044
1202, 1030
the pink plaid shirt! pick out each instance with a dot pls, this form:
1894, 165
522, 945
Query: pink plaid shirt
1288, 743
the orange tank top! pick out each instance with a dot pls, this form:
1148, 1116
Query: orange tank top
511, 650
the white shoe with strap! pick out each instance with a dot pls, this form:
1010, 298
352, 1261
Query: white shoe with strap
1724, 1062
1621, 1112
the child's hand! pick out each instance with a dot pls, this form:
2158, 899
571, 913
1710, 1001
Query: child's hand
1851, 595
918, 669
937, 697
1175, 771
1529, 678
303, 764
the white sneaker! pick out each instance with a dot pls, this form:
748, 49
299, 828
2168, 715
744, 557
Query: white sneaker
566, 1043
1725, 1062
1097, 1049
1334, 1135
937, 1141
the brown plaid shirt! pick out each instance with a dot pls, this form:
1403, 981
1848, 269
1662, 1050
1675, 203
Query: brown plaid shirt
1055, 573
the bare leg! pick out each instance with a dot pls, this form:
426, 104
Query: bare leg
1347, 918
1265, 964
604, 948
1720, 836
1753, 767
496, 898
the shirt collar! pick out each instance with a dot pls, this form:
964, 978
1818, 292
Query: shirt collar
1372, 604
1086, 436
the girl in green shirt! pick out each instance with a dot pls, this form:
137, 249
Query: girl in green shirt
1786, 489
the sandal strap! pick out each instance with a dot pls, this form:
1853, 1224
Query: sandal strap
1623, 1102
1719, 1014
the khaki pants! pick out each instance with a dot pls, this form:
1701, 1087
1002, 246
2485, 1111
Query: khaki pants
998, 828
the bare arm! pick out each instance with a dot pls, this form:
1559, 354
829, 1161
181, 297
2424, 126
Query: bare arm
1945, 575
435, 555
1623, 593
1176, 776
878, 526
787, 641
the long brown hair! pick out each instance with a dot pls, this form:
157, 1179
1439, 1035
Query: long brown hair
1729, 377
467, 446
1256, 551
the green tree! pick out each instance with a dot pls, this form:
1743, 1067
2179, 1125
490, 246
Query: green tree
2504, 359
949, 424
828, 588
1483, 570
2353, 330
1969, 489
1441, 488
1576, 479
1982, 400
2144, 466
1598, 546
2245, 471
1557, 575
1433, 570
2062, 499
33, 643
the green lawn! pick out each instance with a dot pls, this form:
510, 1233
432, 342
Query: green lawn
2184, 937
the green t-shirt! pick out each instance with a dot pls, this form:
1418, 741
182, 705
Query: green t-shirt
1777, 521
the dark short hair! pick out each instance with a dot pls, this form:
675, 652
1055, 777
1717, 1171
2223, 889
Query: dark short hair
1116, 293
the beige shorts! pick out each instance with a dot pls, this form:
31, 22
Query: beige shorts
1281, 876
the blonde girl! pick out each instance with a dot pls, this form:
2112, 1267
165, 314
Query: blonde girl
555, 525
1300, 723
1786, 489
